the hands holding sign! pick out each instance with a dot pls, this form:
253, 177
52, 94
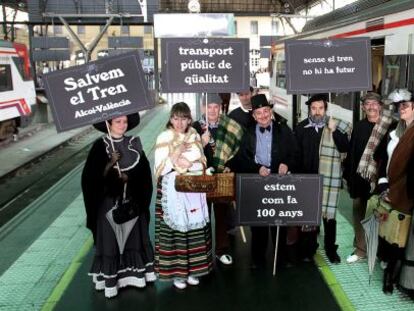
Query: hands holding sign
264, 171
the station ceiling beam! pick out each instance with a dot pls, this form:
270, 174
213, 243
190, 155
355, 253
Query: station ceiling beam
238, 7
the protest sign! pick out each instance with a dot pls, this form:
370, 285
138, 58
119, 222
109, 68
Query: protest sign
97, 91
328, 65
289, 200
205, 65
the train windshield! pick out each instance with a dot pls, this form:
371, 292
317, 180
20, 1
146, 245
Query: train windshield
19, 62
6, 82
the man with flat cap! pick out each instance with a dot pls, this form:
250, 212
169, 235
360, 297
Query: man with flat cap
372, 128
321, 141
221, 138
268, 147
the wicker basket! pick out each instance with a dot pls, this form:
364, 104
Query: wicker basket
196, 183
225, 190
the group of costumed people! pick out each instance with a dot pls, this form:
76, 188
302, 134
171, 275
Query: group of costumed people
378, 157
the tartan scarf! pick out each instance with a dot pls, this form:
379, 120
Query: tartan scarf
228, 138
367, 166
330, 167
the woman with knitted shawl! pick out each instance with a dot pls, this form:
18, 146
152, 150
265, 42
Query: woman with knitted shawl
182, 224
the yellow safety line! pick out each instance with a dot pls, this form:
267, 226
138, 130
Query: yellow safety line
333, 284
67, 277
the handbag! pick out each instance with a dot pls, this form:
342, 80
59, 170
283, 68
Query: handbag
394, 225
196, 183
124, 210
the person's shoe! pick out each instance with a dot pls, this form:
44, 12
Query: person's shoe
225, 259
192, 280
332, 255
150, 277
111, 291
353, 258
180, 283
307, 259
388, 284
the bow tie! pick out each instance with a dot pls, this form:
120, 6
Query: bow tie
263, 129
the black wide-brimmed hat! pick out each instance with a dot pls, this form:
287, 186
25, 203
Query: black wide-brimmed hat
260, 101
133, 121
316, 98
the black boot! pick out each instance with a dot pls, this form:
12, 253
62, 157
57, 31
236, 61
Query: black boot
329, 239
388, 281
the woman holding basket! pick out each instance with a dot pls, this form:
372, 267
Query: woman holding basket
182, 229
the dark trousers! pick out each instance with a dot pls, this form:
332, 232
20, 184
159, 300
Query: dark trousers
222, 241
260, 240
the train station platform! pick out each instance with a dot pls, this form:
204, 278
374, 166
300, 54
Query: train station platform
46, 252
36, 141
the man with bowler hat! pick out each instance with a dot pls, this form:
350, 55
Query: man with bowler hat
268, 147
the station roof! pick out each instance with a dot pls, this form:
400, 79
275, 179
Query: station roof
238, 7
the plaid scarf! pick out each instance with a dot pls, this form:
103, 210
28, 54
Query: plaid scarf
228, 138
367, 166
331, 169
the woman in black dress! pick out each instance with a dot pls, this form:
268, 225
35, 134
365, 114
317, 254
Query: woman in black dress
120, 259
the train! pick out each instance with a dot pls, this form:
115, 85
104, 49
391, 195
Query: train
17, 88
390, 26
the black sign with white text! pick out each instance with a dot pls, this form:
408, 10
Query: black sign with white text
97, 91
328, 65
205, 65
290, 200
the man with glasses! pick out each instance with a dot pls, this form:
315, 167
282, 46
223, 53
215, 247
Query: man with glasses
358, 187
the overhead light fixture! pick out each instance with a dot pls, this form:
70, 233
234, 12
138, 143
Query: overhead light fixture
194, 6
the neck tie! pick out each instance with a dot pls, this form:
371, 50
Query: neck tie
263, 129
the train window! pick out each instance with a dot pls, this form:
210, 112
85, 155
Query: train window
19, 62
6, 82
344, 100
281, 74
411, 74
395, 73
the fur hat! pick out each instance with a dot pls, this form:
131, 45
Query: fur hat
400, 95
133, 121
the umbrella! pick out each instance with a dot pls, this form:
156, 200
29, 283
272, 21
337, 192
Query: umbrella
121, 231
371, 227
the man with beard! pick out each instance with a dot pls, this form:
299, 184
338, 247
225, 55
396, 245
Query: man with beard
359, 188
321, 141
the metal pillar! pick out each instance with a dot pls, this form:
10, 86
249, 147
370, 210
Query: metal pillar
87, 51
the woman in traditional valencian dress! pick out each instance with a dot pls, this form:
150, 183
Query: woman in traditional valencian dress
123, 251
182, 229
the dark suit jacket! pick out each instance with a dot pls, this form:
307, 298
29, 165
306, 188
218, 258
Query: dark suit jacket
284, 150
